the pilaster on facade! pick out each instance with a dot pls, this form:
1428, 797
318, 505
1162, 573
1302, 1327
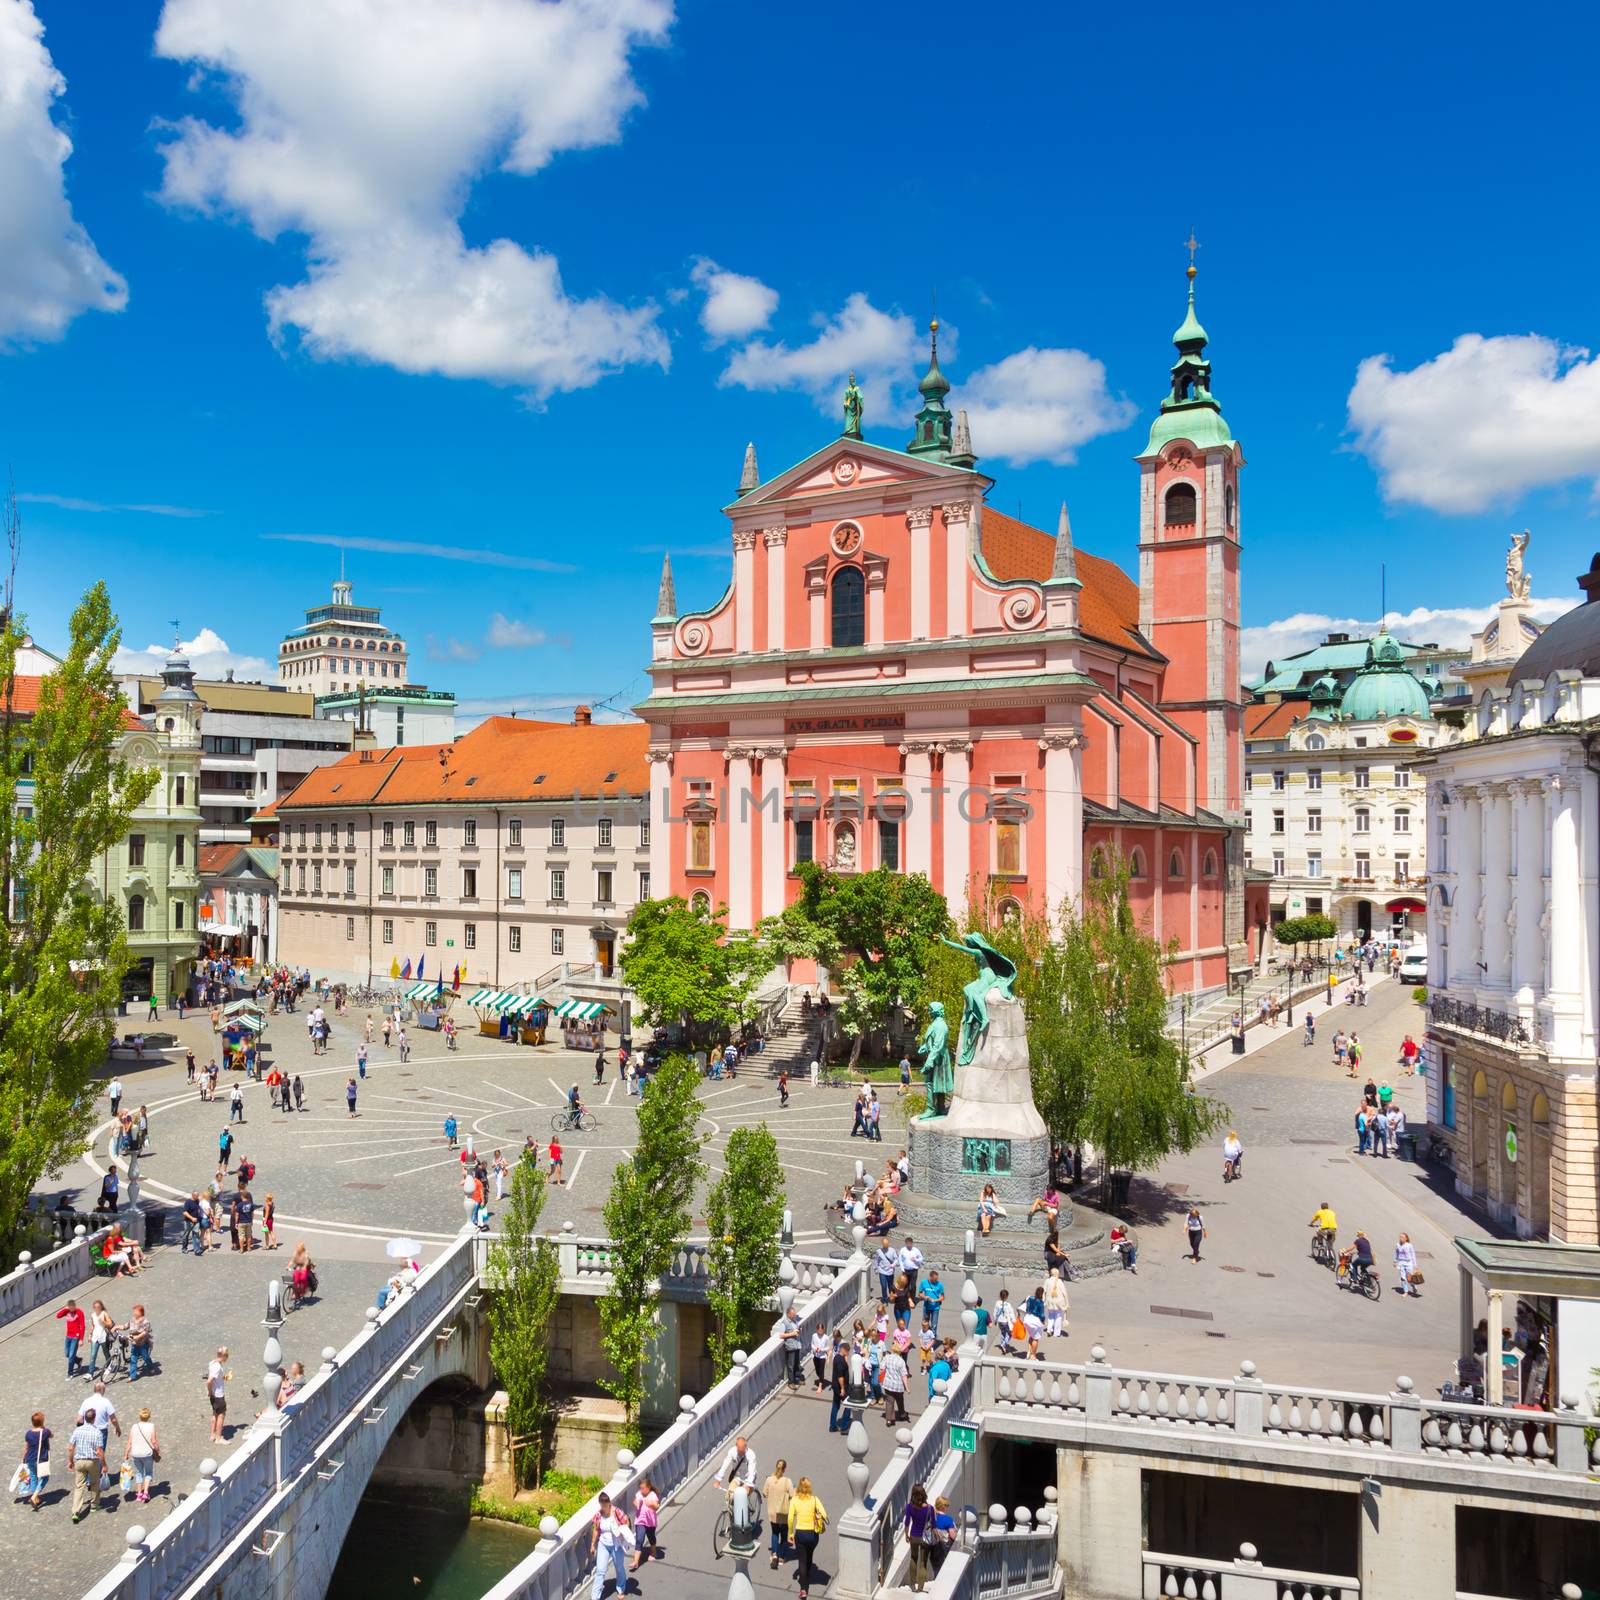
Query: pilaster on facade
918, 768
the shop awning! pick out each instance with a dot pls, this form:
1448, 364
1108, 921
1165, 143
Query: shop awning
221, 930
239, 1007
505, 1003
243, 1025
582, 1010
1406, 903
427, 991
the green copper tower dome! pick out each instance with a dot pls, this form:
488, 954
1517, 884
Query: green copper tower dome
1384, 688
934, 422
1190, 410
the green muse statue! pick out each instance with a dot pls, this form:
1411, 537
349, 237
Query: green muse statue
934, 1063
995, 975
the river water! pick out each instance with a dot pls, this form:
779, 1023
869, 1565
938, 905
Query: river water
402, 1551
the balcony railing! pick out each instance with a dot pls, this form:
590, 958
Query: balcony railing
1451, 1013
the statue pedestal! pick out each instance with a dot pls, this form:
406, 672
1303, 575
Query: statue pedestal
992, 1134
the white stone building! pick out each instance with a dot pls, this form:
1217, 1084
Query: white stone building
1514, 936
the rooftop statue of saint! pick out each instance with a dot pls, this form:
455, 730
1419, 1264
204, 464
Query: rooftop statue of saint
852, 409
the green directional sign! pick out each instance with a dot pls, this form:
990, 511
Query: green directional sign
964, 1437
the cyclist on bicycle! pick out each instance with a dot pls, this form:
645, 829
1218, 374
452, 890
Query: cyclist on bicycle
1357, 1259
1233, 1154
574, 1107
739, 1469
1326, 1224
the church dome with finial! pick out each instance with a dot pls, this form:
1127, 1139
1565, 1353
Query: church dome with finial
933, 436
1385, 687
1190, 410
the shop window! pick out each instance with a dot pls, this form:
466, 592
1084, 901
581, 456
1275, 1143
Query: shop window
849, 608
1448, 1078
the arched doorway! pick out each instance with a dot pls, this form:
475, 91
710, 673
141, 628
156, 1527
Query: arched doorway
1480, 1133
1539, 1166
1364, 919
1509, 1134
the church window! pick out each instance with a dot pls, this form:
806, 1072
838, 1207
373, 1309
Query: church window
1227, 504
1209, 866
1181, 505
804, 840
1097, 863
700, 903
1175, 864
136, 913
849, 608
889, 845
1136, 864
1009, 911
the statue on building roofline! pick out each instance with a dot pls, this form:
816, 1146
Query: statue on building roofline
852, 409
1518, 583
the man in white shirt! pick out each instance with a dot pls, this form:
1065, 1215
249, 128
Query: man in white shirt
910, 1259
739, 1470
217, 1392
885, 1263
101, 1413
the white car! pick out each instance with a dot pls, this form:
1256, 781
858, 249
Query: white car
1414, 966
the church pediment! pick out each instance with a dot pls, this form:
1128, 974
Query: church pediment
847, 466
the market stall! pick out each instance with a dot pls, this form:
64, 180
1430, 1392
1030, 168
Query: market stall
431, 999
583, 1023
505, 1014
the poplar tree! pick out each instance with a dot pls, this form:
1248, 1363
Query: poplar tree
744, 1213
648, 1216
66, 798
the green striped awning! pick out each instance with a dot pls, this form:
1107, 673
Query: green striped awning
424, 991
504, 1002
582, 1010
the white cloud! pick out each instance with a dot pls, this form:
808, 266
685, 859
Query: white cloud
1480, 423
416, 547
208, 654
735, 306
506, 634
363, 124
883, 348
65, 502
451, 648
1041, 405
1449, 626
50, 271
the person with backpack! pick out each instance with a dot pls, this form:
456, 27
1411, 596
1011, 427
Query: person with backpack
609, 1538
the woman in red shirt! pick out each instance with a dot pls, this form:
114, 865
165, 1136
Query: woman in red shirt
555, 1161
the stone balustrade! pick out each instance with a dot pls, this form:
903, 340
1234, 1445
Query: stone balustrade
1188, 1578
32, 1283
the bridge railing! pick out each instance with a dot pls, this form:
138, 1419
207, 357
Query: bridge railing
31, 1283
1166, 1576
1398, 1424
562, 1563
205, 1522
586, 1258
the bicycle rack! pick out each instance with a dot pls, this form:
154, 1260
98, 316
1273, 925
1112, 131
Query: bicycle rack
331, 1471
269, 1542
375, 1415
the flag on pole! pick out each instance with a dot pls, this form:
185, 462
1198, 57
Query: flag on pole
439, 987
405, 970
420, 960
394, 967
455, 976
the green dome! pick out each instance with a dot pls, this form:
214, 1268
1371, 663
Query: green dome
1384, 688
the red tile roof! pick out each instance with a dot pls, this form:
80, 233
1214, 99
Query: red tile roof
1272, 720
1108, 603
502, 759
217, 858
25, 700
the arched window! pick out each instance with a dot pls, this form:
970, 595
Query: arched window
1316, 742
1175, 864
849, 608
1508, 1097
1181, 505
1097, 863
136, 913
700, 903
1209, 866
1009, 911
1227, 504
844, 846
1136, 864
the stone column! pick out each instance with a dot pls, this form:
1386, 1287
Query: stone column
1567, 940
1527, 947
744, 590
1465, 933
741, 865
661, 824
958, 541
919, 805
1063, 817
776, 540
920, 521
774, 842
1496, 857
957, 808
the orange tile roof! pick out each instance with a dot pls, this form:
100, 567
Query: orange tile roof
25, 700
1108, 603
215, 858
1273, 720
502, 759
270, 809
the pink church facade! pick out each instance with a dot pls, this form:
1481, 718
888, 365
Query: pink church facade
899, 675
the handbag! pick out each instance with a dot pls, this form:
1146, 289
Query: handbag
1416, 1275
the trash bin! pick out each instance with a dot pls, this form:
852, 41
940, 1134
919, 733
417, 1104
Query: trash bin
155, 1226
1405, 1145
1121, 1182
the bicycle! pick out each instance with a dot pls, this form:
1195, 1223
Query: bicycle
293, 1297
1358, 1279
1322, 1248
722, 1534
562, 1122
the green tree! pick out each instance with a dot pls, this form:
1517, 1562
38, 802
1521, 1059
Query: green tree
676, 961
524, 1273
880, 924
1296, 931
744, 1213
67, 796
647, 1217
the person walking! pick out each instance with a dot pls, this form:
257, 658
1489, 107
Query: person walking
403, 1043
269, 1224
450, 1131
141, 1342
236, 1104
778, 1491
100, 1326
1055, 1304
501, 1169
143, 1450
884, 1264
361, 1060
1405, 1266
788, 1329
1194, 1226
74, 1319
350, 1095
894, 1378
808, 1518
783, 1088
87, 1458
555, 1162
820, 1344
920, 1536
36, 1458
931, 1293
839, 1376
388, 1028
1379, 1126
217, 1376
875, 1118
114, 1094
646, 1514
608, 1538
299, 1093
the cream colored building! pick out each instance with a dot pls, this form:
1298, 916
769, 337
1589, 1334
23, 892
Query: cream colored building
515, 854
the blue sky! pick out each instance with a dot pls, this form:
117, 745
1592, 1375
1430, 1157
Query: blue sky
517, 283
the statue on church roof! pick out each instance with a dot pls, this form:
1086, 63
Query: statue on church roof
1518, 583
852, 409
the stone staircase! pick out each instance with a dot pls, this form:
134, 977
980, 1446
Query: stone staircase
793, 1041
